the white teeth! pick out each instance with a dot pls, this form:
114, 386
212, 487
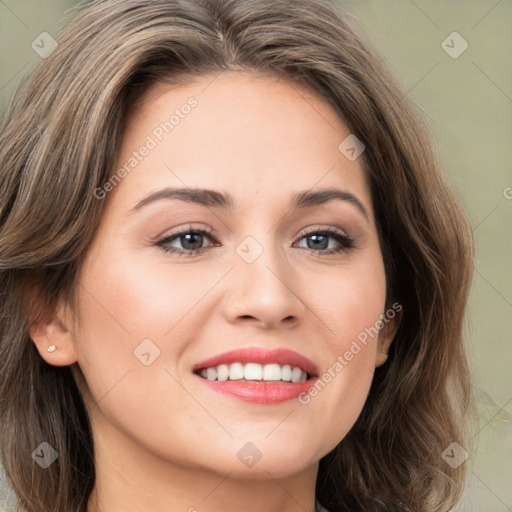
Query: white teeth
255, 371
272, 372
286, 372
236, 371
222, 372
295, 374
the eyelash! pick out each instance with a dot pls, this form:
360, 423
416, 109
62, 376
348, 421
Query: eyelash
346, 243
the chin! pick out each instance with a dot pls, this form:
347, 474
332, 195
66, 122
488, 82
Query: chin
246, 460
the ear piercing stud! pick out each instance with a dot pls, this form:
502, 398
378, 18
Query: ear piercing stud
385, 352
52, 348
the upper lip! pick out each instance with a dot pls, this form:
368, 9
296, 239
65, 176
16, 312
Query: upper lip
262, 356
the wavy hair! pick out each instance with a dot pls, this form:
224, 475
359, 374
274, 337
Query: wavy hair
58, 143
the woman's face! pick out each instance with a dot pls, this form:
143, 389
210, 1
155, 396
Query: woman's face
256, 272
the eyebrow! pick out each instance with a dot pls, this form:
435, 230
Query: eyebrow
217, 199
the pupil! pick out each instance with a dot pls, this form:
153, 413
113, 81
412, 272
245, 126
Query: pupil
187, 238
316, 238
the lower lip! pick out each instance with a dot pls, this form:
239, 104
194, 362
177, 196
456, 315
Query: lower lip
260, 392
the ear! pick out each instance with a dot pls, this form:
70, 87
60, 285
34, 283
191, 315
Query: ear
387, 334
50, 332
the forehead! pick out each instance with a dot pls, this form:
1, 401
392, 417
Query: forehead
260, 137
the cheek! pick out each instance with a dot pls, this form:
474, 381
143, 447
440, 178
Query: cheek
127, 311
137, 299
351, 309
361, 305
350, 302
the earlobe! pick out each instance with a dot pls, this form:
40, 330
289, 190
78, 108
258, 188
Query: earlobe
386, 336
53, 340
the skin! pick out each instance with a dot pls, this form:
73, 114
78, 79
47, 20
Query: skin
163, 439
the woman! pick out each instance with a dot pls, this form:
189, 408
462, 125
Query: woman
234, 275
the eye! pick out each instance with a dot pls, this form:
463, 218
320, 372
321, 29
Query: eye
320, 240
191, 241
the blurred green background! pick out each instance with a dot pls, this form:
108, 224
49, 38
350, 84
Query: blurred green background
465, 95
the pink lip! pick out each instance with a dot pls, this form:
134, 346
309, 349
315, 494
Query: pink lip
261, 356
260, 392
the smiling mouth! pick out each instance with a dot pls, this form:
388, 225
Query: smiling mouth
254, 372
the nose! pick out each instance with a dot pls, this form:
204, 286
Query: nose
264, 292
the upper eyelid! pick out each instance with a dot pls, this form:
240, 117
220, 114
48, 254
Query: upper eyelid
329, 229
213, 233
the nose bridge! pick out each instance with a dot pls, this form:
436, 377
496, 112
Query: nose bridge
262, 281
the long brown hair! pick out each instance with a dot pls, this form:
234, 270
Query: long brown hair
58, 144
